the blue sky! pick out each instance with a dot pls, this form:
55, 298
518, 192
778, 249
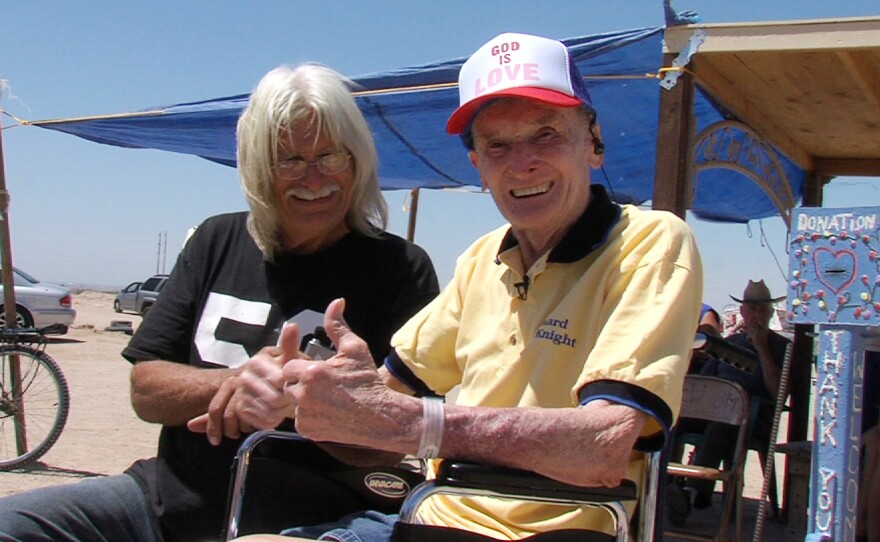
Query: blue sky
83, 213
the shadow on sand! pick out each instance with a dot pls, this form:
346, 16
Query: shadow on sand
62, 340
706, 522
43, 470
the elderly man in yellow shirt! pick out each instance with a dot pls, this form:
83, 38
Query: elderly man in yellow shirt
569, 330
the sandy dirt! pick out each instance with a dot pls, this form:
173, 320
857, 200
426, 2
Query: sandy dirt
103, 435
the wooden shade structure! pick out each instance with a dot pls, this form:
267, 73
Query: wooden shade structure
810, 88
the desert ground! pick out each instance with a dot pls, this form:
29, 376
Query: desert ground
104, 436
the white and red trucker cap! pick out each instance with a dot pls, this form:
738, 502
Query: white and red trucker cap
517, 65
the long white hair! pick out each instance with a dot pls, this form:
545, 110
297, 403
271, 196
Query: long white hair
305, 93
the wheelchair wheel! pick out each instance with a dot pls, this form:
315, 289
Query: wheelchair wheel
33, 406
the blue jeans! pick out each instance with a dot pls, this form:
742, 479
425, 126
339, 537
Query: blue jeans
109, 509
367, 526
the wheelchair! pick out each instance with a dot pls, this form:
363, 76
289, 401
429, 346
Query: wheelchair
302, 482
330, 489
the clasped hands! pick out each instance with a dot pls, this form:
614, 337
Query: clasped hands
757, 334
280, 382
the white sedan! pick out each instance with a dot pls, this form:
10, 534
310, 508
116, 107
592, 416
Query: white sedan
40, 304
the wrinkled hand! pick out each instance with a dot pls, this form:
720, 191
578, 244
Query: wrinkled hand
253, 399
342, 399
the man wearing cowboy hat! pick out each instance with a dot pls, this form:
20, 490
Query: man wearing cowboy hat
756, 311
720, 439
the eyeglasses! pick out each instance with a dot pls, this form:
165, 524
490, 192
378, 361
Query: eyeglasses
329, 164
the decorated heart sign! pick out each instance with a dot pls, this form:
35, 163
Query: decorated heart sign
836, 270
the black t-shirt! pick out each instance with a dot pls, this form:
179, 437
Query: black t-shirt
223, 303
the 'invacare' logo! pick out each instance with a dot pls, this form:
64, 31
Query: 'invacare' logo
386, 485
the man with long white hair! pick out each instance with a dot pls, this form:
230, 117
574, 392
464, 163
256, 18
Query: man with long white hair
315, 232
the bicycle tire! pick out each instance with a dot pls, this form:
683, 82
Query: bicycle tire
45, 399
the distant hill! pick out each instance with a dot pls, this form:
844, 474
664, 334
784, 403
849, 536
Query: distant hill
77, 288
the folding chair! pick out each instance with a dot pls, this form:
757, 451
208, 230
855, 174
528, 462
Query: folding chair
712, 399
457, 478
290, 480
745, 360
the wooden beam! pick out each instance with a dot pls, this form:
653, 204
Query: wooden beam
852, 167
805, 35
672, 172
814, 189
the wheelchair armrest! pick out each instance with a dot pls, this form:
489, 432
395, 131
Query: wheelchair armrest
520, 483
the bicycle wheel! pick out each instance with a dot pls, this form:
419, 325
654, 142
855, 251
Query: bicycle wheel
32, 414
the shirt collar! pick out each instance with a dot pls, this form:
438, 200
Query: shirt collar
586, 235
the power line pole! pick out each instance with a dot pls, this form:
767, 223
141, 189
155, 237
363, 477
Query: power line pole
164, 249
160, 252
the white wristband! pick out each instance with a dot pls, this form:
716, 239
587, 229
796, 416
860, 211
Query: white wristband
432, 428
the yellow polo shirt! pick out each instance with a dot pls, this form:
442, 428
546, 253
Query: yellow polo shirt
609, 313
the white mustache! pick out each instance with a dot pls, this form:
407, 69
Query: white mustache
301, 192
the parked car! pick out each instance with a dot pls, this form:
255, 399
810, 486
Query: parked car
139, 296
126, 296
39, 304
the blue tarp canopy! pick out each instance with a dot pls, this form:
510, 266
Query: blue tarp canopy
407, 110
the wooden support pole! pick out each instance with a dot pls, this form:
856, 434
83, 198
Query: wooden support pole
800, 385
672, 173
413, 214
802, 360
10, 311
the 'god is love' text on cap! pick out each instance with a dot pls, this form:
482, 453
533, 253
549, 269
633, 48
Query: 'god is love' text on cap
517, 65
